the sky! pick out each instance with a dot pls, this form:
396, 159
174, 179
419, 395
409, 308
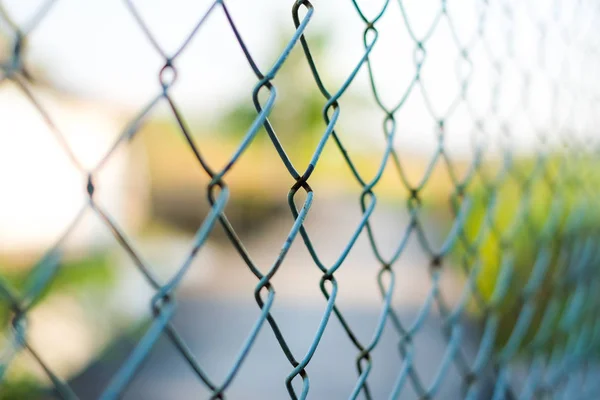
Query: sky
97, 49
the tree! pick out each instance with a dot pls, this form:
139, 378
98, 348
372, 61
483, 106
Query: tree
297, 115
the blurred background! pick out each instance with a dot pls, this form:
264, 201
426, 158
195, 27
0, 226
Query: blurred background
490, 87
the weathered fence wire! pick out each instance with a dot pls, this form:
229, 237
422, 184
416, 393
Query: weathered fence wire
556, 309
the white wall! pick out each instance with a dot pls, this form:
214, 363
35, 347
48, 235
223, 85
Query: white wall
41, 190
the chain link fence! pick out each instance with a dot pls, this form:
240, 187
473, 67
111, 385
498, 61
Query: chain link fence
524, 227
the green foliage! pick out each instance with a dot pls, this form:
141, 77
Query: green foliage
533, 238
298, 105
52, 276
24, 388
297, 114
72, 275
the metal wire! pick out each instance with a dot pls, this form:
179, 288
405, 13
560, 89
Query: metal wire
556, 309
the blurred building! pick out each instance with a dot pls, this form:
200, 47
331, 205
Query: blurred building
42, 188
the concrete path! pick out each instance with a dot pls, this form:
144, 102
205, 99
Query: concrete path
215, 330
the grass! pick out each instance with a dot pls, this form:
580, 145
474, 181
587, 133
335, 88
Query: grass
74, 276
536, 237
23, 388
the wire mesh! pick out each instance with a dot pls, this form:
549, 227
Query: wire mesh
543, 316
